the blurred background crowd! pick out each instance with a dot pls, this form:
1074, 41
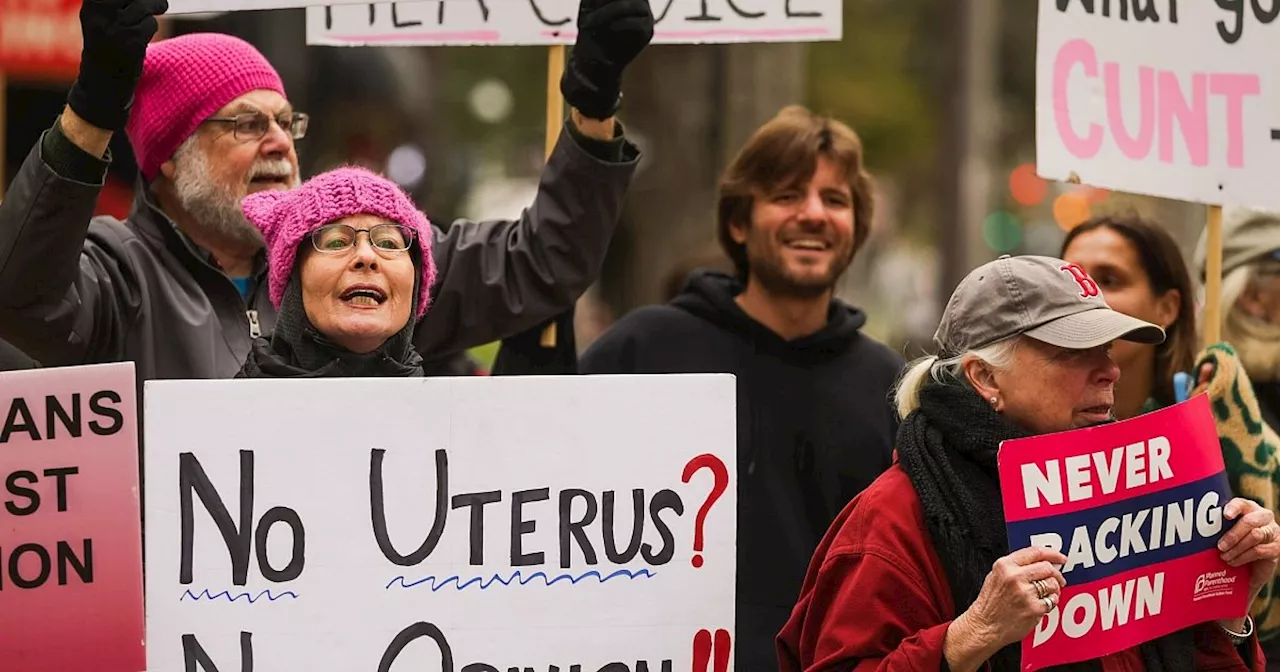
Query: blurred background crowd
942, 93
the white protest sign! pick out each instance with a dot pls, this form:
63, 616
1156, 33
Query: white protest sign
538, 22
441, 524
201, 6
1173, 99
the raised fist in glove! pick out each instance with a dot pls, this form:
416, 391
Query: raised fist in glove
116, 33
611, 33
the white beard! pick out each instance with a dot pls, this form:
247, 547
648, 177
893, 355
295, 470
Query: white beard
214, 206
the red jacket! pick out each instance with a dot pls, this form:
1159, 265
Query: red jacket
877, 598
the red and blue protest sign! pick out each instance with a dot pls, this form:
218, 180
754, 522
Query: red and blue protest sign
1136, 506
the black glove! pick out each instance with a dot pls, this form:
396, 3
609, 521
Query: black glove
611, 33
116, 33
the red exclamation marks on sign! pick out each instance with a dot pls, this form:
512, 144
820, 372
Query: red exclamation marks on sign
704, 649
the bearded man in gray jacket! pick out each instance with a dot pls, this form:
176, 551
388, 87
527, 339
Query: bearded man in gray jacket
179, 286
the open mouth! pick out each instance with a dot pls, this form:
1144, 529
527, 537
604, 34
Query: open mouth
363, 295
808, 244
1103, 409
269, 181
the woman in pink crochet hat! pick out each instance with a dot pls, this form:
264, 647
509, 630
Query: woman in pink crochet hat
350, 273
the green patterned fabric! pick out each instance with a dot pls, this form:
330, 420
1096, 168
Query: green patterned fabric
1249, 452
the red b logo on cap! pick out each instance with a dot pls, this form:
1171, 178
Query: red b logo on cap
1088, 288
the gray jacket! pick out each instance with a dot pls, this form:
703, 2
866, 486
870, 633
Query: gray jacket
13, 359
77, 289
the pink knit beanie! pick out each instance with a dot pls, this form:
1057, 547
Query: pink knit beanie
286, 218
185, 80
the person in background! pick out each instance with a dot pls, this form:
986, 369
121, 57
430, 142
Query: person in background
917, 573
1140, 272
815, 425
1249, 362
1251, 299
178, 287
351, 269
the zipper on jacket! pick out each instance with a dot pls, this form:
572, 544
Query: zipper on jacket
255, 329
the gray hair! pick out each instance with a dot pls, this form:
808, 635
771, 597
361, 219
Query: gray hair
1257, 343
998, 355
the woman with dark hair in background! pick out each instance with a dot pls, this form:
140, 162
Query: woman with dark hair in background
1141, 273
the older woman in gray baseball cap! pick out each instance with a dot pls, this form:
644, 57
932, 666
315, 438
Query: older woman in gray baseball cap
917, 573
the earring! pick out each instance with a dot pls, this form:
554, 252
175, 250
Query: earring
993, 401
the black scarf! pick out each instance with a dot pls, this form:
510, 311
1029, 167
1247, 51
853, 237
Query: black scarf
298, 350
948, 450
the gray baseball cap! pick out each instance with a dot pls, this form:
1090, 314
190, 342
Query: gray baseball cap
1048, 299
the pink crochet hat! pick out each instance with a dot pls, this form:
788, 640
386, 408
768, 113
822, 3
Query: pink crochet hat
185, 80
286, 218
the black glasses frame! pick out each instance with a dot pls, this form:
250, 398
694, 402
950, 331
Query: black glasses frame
254, 125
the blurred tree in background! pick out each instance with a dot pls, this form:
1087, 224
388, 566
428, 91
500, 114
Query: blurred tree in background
879, 80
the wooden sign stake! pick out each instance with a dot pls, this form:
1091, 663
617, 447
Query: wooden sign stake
1213, 277
555, 118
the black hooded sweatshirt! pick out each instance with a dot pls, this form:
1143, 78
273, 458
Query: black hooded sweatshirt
815, 427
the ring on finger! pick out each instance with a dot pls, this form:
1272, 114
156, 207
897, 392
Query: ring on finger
1041, 590
1269, 533
1049, 604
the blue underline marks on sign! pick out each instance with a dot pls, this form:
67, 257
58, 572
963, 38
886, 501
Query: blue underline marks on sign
224, 595
436, 584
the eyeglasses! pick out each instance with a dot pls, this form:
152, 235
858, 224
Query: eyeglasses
254, 125
338, 238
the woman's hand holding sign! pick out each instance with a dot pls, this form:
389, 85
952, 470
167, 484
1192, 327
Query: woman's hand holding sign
1020, 589
1253, 540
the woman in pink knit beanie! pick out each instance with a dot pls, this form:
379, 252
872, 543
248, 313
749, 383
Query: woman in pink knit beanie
350, 272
